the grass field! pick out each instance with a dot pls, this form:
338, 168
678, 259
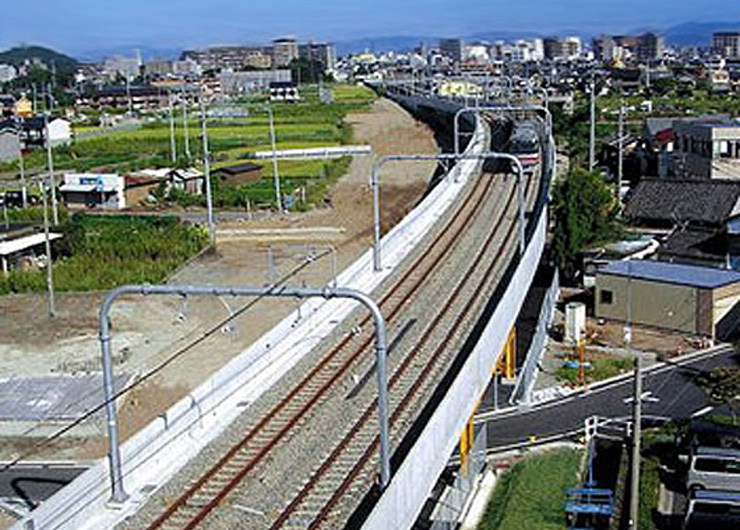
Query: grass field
602, 367
92, 255
532, 494
302, 125
150, 147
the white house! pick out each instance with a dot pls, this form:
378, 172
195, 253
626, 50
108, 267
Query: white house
60, 131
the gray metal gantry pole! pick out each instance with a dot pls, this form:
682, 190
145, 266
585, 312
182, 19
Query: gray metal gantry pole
50, 167
118, 493
173, 144
484, 108
375, 182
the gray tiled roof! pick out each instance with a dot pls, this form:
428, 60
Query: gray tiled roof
669, 201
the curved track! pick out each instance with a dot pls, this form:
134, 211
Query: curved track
328, 496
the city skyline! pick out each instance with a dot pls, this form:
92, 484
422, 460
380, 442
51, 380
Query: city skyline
81, 27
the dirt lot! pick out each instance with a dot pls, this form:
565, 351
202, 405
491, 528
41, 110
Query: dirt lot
148, 332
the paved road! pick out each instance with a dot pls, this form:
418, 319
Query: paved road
27, 485
672, 384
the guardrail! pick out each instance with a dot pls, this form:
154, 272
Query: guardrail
528, 375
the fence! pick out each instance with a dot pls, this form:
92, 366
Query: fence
454, 500
528, 375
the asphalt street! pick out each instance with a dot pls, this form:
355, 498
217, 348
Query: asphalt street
669, 391
26, 485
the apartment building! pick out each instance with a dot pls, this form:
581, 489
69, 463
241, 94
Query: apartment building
321, 52
707, 148
727, 44
284, 50
229, 58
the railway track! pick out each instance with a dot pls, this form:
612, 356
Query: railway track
204, 495
356, 455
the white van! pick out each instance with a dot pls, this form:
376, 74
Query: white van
714, 468
718, 510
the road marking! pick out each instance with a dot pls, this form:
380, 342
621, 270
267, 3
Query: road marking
646, 396
701, 412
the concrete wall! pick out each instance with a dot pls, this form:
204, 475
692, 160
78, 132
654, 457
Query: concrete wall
660, 305
9, 146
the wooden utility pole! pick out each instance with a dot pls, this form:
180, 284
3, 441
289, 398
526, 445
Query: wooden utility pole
620, 159
636, 411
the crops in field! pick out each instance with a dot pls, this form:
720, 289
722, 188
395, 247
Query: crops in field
101, 252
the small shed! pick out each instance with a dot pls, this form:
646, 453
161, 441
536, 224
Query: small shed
17, 248
236, 175
684, 298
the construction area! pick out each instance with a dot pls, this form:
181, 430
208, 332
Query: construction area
173, 344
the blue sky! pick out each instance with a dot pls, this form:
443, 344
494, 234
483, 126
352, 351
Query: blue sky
82, 25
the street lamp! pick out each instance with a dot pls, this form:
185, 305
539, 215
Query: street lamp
375, 182
118, 493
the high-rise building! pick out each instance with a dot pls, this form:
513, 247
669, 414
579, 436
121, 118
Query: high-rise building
321, 52
566, 48
649, 46
284, 50
123, 66
645, 47
727, 44
452, 49
234, 58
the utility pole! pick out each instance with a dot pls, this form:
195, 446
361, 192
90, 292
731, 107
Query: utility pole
50, 95
173, 145
185, 123
49, 265
592, 131
620, 159
636, 412
207, 169
128, 95
24, 191
50, 164
276, 174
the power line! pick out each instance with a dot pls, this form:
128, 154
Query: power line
177, 354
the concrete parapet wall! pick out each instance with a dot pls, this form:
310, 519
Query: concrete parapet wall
400, 504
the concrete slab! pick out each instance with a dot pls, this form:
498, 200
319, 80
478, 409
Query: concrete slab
53, 398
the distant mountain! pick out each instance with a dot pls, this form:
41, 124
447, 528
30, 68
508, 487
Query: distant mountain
18, 55
697, 33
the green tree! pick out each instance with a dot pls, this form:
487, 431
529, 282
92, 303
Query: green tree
307, 71
722, 387
585, 213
